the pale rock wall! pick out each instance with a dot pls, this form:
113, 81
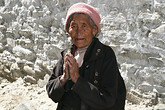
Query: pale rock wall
32, 36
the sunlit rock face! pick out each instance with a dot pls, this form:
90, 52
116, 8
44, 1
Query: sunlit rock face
32, 36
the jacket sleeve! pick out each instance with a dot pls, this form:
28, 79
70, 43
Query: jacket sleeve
104, 95
54, 88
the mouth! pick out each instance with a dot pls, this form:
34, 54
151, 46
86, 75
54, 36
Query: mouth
79, 39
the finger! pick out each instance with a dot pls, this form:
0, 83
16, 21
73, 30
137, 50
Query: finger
67, 70
72, 60
69, 57
65, 59
68, 54
66, 64
69, 63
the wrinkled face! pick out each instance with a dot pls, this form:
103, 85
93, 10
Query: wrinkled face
81, 30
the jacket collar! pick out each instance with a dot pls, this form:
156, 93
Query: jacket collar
94, 50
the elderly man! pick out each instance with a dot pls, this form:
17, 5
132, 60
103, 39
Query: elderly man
86, 77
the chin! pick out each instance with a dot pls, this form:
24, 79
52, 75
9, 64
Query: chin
81, 46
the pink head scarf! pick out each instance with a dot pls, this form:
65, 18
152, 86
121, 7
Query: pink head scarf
86, 9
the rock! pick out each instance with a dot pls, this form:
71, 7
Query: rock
30, 64
32, 36
29, 70
26, 33
158, 33
159, 107
46, 68
41, 83
1, 108
134, 97
39, 62
30, 79
46, 78
2, 38
160, 29
9, 34
159, 7
16, 71
52, 51
39, 72
30, 2
24, 53
2, 48
145, 87
9, 16
157, 62
10, 44
24, 106
1, 19
3, 29
21, 63
25, 43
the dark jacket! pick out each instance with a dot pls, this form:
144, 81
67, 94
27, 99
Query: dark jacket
99, 87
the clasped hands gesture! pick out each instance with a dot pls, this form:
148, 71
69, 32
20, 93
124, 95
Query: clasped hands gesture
70, 69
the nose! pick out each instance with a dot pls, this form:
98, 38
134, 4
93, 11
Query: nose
79, 30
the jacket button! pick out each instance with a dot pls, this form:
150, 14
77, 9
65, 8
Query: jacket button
87, 66
96, 74
98, 50
95, 81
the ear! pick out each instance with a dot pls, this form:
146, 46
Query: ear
94, 30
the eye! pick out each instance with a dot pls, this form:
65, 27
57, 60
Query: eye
73, 26
84, 25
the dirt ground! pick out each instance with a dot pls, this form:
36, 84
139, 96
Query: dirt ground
19, 95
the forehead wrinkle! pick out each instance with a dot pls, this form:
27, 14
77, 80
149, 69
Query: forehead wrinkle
73, 15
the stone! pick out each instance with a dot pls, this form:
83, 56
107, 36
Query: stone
25, 43
1, 19
24, 53
16, 71
3, 29
2, 48
21, 64
27, 33
52, 51
30, 79
32, 37
145, 87
24, 106
41, 83
158, 33
159, 107
157, 62
133, 97
29, 70
10, 44
39, 72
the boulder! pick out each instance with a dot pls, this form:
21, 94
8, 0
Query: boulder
29, 70
2, 48
24, 106
3, 29
24, 53
52, 51
1, 18
30, 79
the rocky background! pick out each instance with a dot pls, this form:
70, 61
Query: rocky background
32, 36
